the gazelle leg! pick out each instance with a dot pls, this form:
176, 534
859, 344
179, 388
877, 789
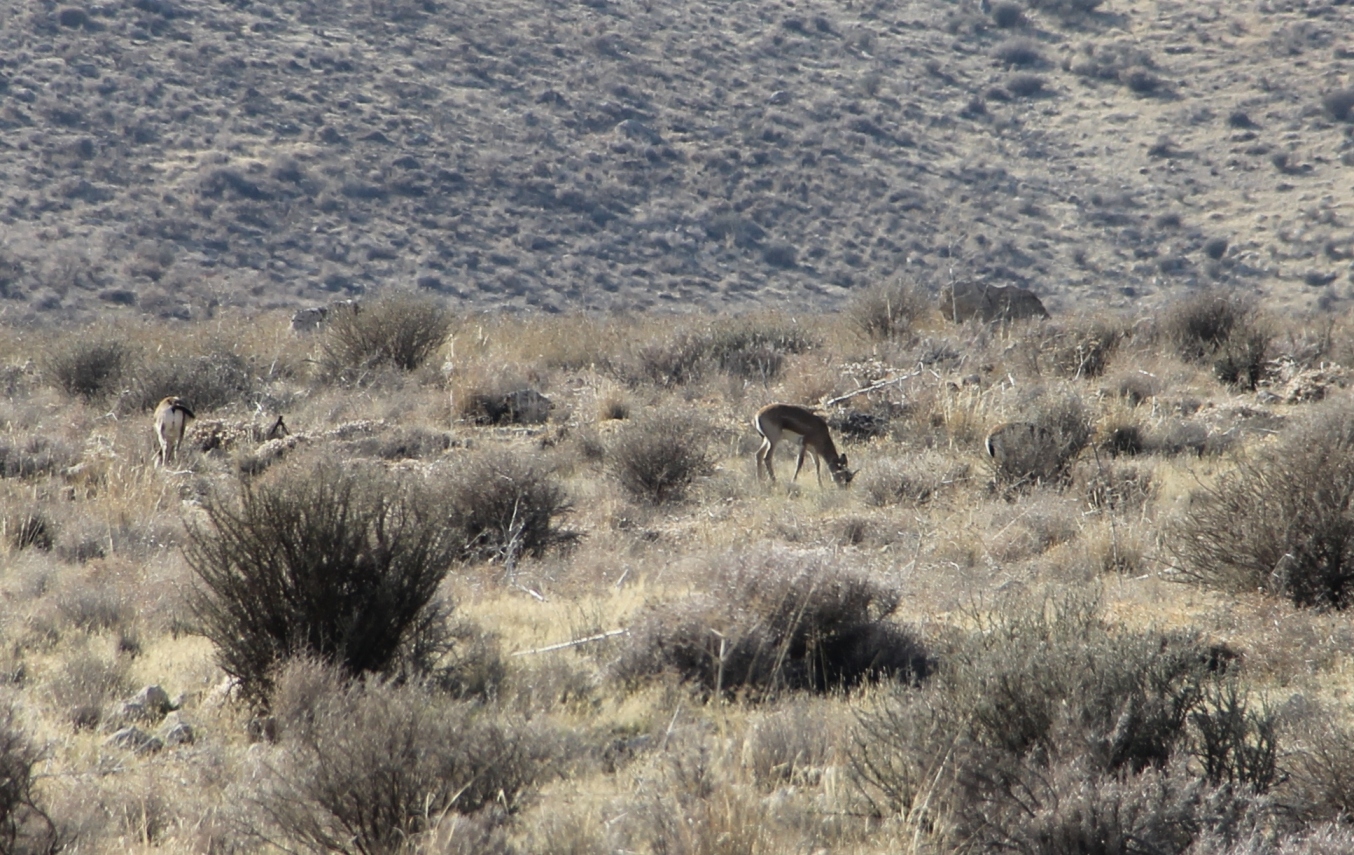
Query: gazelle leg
764, 458
803, 447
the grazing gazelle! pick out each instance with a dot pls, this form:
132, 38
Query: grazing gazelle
171, 419
776, 420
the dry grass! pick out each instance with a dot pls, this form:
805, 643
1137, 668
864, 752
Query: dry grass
829, 603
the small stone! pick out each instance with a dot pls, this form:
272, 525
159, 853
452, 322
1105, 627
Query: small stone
136, 740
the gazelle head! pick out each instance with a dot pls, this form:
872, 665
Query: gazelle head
839, 472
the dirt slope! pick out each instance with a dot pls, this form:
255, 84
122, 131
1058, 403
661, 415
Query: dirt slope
169, 156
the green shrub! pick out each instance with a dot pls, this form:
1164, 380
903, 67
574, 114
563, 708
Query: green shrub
90, 369
657, 458
338, 562
772, 622
399, 332
1282, 520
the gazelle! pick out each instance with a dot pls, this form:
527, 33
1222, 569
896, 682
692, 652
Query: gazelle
171, 420
776, 420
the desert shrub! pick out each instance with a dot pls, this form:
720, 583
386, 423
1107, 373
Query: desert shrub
910, 481
1080, 349
658, 457
24, 826
1282, 520
675, 362
28, 530
1066, 8
1007, 15
1241, 361
1321, 769
90, 368
337, 562
1025, 85
778, 620
94, 608
504, 406
752, 349
1123, 438
1339, 104
207, 382
888, 311
1019, 52
503, 505
365, 767
1111, 486
1043, 449
1109, 61
36, 456
1221, 328
399, 332
1049, 730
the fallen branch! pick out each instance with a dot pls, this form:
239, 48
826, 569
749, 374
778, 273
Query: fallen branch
577, 641
873, 387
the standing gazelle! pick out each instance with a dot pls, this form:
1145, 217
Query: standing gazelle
171, 420
776, 420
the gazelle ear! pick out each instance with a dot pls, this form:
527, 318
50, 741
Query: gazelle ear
843, 461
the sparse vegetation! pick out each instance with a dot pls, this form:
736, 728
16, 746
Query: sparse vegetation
656, 458
90, 369
602, 222
773, 622
502, 506
1282, 521
399, 332
890, 311
343, 565
1047, 729
368, 767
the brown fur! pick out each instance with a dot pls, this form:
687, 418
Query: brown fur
776, 420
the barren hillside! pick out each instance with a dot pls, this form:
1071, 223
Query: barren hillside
170, 156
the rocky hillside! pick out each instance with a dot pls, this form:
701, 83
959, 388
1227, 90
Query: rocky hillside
170, 156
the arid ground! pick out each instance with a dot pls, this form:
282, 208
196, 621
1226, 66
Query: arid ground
508, 581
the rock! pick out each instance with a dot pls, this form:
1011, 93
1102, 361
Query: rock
967, 300
154, 699
176, 731
136, 740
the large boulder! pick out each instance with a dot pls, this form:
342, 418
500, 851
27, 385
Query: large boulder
967, 300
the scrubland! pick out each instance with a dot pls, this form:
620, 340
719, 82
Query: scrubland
428, 621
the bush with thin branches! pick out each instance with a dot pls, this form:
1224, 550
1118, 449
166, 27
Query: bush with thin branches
90, 369
657, 458
399, 332
1281, 521
25, 826
334, 562
889, 311
1048, 730
207, 381
504, 505
775, 621
367, 767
